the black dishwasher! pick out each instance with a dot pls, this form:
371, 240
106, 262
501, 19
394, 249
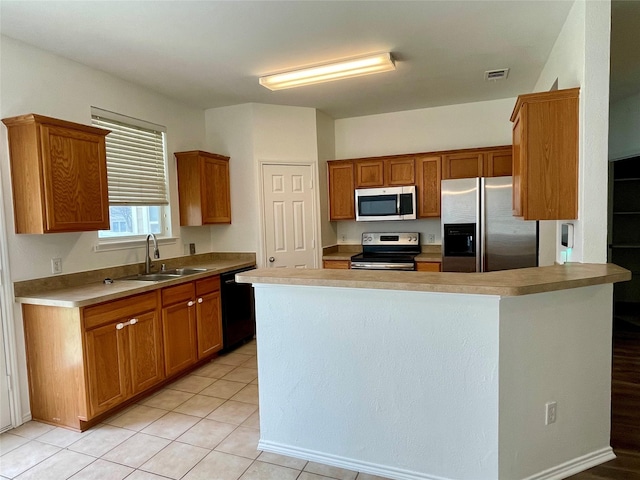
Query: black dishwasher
238, 311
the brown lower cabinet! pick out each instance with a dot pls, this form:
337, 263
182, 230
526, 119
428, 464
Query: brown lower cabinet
428, 266
84, 362
337, 264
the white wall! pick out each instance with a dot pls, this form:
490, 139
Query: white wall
252, 134
480, 124
429, 385
555, 346
624, 128
326, 151
34, 81
410, 385
580, 57
229, 131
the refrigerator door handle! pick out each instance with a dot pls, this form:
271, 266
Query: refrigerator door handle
481, 252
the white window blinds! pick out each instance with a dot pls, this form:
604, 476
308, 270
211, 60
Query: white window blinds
135, 160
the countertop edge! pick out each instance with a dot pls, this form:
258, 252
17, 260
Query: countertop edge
506, 283
121, 288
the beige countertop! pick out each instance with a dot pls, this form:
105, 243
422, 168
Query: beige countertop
522, 281
98, 292
430, 253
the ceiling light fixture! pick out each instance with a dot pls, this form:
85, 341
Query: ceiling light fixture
327, 72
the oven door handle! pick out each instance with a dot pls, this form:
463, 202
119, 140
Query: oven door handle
382, 266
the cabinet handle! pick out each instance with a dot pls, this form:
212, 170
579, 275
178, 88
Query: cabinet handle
133, 321
119, 326
200, 300
191, 303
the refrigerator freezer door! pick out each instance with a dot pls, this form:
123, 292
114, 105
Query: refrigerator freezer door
509, 242
460, 205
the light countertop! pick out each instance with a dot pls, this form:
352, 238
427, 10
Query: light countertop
98, 292
522, 281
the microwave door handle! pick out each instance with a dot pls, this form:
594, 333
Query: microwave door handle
398, 204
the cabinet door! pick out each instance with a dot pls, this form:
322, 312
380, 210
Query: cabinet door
428, 266
209, 324
145, 351
429, 176
369, 173
341, 191
400, 171
498, 163
106, 352
75, 180
179, 336
337, 264
519, 187
216, 200
462, 165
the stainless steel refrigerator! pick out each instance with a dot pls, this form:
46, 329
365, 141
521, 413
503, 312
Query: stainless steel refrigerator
479, 231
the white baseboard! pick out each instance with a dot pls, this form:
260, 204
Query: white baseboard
558, 472
348, 463
577, 465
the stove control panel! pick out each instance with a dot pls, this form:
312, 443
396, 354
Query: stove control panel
376, 238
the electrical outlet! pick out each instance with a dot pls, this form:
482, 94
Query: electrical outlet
431, 238
550, 413
192, 249
56, 265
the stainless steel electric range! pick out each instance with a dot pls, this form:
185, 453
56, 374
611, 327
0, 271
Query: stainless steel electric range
387, 251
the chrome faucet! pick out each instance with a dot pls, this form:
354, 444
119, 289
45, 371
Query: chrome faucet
156, 253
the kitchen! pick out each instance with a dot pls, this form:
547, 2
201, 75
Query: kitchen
279, 132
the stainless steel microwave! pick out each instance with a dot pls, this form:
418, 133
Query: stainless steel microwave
389, 203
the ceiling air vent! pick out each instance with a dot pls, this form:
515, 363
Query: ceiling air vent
500, 74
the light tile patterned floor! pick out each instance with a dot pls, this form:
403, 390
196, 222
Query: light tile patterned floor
204, 426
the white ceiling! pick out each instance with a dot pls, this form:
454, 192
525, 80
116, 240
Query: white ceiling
210, 53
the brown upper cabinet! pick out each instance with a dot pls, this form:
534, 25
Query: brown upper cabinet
462, 165
491, 162
341, 190
385, 172
424, 170
429, 176
369, 173
58, 175
203, 188
498, 162
400, 171
545, 155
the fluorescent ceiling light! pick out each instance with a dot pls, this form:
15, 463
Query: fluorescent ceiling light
328, 72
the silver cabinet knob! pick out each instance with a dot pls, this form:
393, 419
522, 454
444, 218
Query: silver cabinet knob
272, 259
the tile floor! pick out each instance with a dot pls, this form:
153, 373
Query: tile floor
204, 426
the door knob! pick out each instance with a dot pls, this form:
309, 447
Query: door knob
272, 259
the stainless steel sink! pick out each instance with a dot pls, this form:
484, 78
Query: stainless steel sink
153, 277
184, 271
165, 274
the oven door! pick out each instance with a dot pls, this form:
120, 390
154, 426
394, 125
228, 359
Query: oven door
393, 203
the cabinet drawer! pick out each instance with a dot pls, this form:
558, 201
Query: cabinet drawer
179, 293
207, 285
104, 313
428, 266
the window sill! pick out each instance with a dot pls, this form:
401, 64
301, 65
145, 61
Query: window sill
109, 245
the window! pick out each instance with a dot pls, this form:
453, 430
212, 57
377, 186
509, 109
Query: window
136, 171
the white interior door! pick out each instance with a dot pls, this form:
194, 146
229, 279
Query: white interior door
289, 220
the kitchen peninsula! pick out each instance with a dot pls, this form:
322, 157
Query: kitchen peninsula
415, 375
